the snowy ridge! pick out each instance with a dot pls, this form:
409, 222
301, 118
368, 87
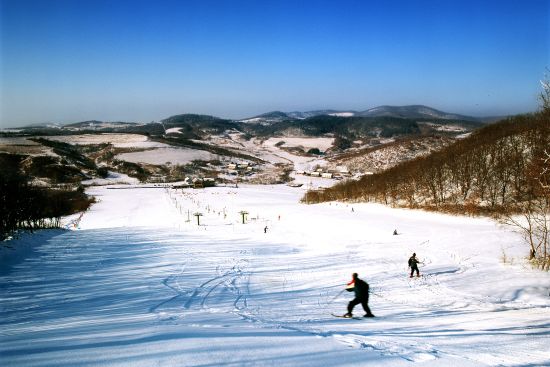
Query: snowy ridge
411, 112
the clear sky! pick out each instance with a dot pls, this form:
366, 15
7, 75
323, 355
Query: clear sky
75, 60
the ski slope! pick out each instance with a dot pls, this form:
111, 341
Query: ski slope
136, 282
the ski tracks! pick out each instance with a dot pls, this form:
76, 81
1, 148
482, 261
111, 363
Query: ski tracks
179, 292
226, 291
413, 352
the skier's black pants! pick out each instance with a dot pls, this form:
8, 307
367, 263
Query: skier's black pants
413, 269
363, 301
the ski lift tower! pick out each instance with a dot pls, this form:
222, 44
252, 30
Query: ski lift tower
243, 213
198, 215
188, 218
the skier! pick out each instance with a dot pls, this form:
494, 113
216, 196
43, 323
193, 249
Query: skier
265, 229
413, 264
395, 232
361, 290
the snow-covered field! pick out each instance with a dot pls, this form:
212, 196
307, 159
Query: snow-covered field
139, 283
118, 140
162, 156
304, 142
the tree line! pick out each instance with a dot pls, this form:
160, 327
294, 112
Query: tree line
492, 170
26, 206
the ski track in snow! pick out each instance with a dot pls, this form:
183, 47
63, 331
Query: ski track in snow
108, 284
411, 352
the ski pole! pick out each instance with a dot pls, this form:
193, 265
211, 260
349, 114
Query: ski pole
338, 295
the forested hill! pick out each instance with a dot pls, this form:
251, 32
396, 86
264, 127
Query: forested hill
349, 127
496, 168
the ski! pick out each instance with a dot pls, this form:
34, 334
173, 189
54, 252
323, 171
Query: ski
346, 317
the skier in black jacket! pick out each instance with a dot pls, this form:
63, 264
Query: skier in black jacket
413, 264
361, 290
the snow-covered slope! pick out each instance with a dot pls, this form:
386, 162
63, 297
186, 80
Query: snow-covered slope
137, 284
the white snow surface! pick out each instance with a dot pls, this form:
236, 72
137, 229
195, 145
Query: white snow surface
113, 178
118, 140
137, 284
164, 155
342, 114
305, 142
174, 130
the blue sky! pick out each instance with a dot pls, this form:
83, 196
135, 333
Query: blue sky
67, 61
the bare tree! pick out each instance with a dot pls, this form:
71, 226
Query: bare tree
544, 96
529, 224
534, 223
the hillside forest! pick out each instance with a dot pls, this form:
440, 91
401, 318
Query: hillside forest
501, 170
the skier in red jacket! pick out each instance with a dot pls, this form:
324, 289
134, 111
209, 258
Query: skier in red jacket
361, 290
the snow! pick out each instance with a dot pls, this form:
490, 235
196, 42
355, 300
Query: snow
253, 120
118, 140
137, 284
174, 130
445, 128
307, 143
268, 150
113, 178
163, 155
266, 121
342, 114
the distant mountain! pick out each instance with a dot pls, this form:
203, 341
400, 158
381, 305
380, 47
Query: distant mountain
195, 126
406, 112
414, 112
191, 118
198, 125
349, 127
268, 118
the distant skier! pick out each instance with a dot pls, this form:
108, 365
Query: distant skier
361, 290
413, 264
265, 229
395, 232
